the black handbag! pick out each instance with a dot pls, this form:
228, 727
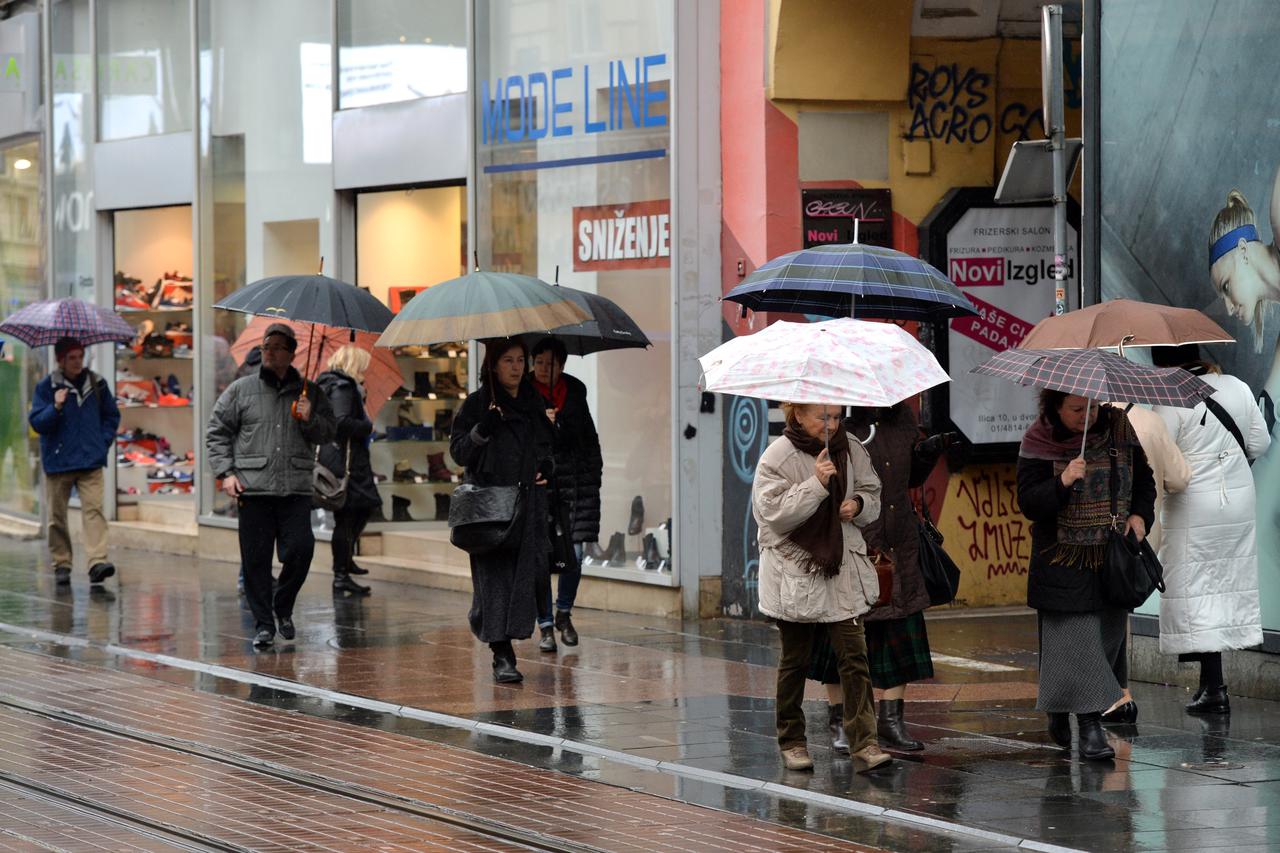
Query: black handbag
941, 574
483, 519
1130, 569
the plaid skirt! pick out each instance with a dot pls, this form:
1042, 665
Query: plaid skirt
897, 652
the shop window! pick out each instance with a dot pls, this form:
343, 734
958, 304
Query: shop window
21, 282
144, 68
71, 141
407, 240
153, 290
398, 50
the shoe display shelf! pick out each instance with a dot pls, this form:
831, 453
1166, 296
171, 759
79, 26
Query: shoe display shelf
153, 381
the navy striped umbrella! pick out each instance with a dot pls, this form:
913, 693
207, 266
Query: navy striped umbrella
41, 324
853, 279
1098, 375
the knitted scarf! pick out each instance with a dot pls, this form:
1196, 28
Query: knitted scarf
1084, 522
818, 544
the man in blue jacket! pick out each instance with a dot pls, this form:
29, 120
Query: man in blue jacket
76, 417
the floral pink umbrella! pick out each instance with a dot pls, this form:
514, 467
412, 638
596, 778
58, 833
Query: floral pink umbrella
840, 362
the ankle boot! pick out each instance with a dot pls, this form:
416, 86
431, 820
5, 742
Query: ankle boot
443, 424
1060, 729
890, 728
1093, 741
1210, 700
400, 509
342, 582
504, 663
437, 471
649, 557
617, 550
442, 506
548, 641
422, 383
835, 722
564, 625
594, 555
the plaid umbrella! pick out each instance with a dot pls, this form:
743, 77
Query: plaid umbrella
40, 324
852, 279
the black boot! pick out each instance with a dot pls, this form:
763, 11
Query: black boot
650, 554
353, 569
617, 550
835, 722
400, 509
1093, 741
548, 641
442, 506
504, 663
342, 582
1060, 729
891, 730
1210, 700
564, 625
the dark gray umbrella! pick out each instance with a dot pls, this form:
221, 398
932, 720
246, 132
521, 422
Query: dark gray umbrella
311, 299
609, 327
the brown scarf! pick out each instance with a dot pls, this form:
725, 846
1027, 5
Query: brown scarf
818, 544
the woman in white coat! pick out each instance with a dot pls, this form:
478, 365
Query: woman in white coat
813, 490
1209, 552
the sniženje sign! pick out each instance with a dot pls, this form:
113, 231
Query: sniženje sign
633, 236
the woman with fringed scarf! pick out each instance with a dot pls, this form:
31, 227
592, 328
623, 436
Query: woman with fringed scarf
813, 491
1083, 656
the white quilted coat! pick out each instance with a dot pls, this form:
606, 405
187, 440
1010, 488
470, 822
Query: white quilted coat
1209, 553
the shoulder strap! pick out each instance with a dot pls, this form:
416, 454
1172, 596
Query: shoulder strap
1114, 453
1227, 421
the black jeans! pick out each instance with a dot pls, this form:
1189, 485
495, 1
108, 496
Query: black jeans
272, 524
347, 526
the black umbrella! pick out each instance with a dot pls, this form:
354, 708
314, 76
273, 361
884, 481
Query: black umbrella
609, 327
311, 299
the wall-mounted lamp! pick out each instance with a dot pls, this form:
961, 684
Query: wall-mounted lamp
22, 164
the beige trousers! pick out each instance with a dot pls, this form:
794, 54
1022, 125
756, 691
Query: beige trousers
57, 489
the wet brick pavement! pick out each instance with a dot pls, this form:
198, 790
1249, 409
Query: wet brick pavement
698, 694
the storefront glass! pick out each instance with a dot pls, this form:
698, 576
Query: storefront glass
21, 282
144, 67
398, 50
1180, 174
265, 181
573, 166
71, 143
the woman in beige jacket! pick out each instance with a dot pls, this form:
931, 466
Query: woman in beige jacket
813, 490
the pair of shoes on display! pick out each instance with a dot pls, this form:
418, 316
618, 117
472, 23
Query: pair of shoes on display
548, 641
437, 470
123, 492
99, 572
835, 723
422, 384
404, 473
564, 624
614, 555
1210, 700
344, 583
170, 475
442, 506
447, 383
62, 575
891, 730
400, 509
649, 560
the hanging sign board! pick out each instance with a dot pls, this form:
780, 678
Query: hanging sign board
828, 216
1002, 258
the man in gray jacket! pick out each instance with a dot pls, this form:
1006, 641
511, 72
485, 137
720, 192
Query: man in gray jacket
261, 441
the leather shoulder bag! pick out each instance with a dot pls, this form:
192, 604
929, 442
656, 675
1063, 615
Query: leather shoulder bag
484, 519
328, 490
1131, 570
940, 572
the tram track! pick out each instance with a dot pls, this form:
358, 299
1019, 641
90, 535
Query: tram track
189, 839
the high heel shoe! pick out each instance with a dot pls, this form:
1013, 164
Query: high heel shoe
1126, 714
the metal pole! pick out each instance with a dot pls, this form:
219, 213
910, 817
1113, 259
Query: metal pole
1051, 73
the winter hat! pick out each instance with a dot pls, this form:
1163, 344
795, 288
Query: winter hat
65, 345
285, 331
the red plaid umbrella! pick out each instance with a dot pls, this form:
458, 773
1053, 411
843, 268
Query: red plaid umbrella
40, 324
1098, 375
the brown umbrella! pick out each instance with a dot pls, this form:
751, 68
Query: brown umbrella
1123, 323
316, 343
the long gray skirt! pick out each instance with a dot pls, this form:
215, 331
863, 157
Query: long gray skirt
1084, 660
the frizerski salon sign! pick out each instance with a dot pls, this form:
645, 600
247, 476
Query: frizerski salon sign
634, 236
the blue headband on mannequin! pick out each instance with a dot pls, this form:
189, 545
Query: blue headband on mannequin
1228, 241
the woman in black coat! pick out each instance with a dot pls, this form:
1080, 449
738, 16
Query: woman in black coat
503, 437
576, 489
1067, 497
343, 384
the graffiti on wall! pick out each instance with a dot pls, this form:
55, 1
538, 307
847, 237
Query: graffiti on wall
746, 430
950, 103
986, 533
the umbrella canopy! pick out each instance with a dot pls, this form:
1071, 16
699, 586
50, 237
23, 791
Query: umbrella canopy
40, 324
310, 299
1098, 375
852, 279
1124, 322
316, 344
609, 327
840, 362
482, 305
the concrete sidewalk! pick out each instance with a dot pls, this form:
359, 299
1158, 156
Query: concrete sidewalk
697, 697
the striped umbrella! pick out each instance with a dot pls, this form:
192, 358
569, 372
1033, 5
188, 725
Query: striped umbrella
41, 324
1098, 375
482, 305
853, 279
